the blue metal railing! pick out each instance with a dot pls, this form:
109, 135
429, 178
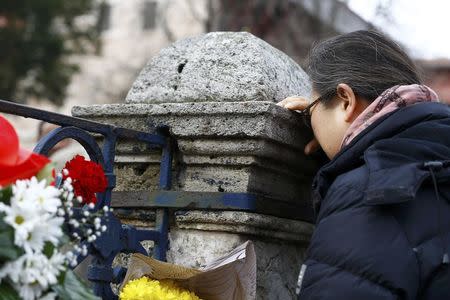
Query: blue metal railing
122, 238
119, 237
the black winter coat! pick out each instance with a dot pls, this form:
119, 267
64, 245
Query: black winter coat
383, 212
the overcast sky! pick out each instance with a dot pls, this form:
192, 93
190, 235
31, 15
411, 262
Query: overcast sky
423, 26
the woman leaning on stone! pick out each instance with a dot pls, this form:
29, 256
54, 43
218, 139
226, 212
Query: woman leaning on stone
382, 202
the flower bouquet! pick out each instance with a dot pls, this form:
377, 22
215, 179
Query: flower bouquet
47, 221
232, 277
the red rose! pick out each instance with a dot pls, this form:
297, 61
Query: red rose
15, 162
88, 178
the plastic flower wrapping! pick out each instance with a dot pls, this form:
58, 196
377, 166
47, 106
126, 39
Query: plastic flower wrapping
232, 277
47, 222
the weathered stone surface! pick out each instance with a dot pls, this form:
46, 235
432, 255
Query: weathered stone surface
276, 261
252, 147
216, 94
246, 223
219, 66
196, 120
198, 237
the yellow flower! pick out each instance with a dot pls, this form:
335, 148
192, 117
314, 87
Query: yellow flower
145, 288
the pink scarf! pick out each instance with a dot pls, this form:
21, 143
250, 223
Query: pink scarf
392, 99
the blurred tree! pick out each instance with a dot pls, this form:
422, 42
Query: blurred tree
36, 38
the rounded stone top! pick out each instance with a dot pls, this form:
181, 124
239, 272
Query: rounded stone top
219, 67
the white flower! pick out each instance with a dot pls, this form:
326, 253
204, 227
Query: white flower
70, 256
32, 214
74, 223
54, 266
70, 197
23, 278
22, 219
48, 229
68, 187
33, 273
84, 250
29, 291
19, 190
36, 194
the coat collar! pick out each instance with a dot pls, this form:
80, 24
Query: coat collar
382, 163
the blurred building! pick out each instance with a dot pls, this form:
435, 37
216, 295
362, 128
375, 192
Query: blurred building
437, 76
291, 26
133, 31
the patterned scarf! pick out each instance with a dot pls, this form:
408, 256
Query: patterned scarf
390, 100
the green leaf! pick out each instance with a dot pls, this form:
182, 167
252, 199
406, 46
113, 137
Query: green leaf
6, 194
72, 288
7, 292
48, 250
8, 251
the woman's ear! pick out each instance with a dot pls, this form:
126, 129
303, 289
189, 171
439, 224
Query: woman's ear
348, 103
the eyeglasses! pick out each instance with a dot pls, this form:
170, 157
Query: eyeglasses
306, 112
